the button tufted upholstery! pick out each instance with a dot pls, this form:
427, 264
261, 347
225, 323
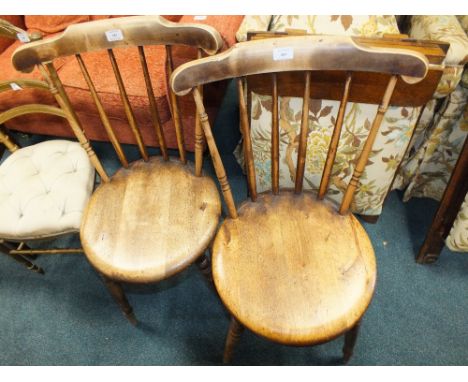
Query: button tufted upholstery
44, 189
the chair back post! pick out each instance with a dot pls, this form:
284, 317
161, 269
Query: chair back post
366, 150
216, 158
50, 74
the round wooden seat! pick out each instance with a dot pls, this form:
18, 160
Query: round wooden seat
293, 270
150, 221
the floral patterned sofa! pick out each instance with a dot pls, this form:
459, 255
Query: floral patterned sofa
395, 133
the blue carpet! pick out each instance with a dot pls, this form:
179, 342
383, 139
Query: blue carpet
419, 315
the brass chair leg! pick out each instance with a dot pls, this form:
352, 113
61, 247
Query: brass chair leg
5, 248
118, 294
235, 331
350, 341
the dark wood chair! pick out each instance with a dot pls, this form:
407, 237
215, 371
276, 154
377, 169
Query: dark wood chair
452, 200
288, 265
156, 216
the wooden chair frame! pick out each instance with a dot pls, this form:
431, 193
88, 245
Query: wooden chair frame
303, 56
15, 248
109, 34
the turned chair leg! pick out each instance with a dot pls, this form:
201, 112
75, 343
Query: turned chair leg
118, 294
204, 265
349, 342
235, 331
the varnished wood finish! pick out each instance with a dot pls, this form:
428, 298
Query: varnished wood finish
204, 265
216, 158
275, 137
364, 156
199, 136
234, 334
102, 114
281, 271
247, 141
174, 106
150, 221
127, 107
454, 195
301, 152
116, 291
311, 53
136, 30
332, 150
152, 100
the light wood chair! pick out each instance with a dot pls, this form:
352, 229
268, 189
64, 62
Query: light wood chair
44, 187
290, 266
156, 216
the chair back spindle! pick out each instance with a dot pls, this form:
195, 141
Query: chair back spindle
174, 105
102, 114
366, 150
331, 154
302, 150
275, 137
248, 152
199, 136
152, 101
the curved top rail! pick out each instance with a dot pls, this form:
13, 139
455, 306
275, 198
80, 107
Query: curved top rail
299, 53
117, 32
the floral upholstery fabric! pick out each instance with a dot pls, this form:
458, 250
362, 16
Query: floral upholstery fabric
389, 148
253, 23
457, 240
427, 169
338, 24
448, 29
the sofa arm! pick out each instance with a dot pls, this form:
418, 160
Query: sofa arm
253, 23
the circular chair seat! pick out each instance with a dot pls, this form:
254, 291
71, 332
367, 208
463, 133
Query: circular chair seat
290, 268
150, 221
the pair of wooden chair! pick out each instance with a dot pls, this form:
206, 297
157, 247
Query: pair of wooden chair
290, 266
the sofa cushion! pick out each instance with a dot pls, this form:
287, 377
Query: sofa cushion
53, 23
44, 189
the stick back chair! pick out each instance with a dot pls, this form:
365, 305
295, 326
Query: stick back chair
44, 187
156, 216
290, 266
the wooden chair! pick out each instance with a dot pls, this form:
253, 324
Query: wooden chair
44, 187
156, 216
291, 267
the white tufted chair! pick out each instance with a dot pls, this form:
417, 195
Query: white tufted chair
44, 188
